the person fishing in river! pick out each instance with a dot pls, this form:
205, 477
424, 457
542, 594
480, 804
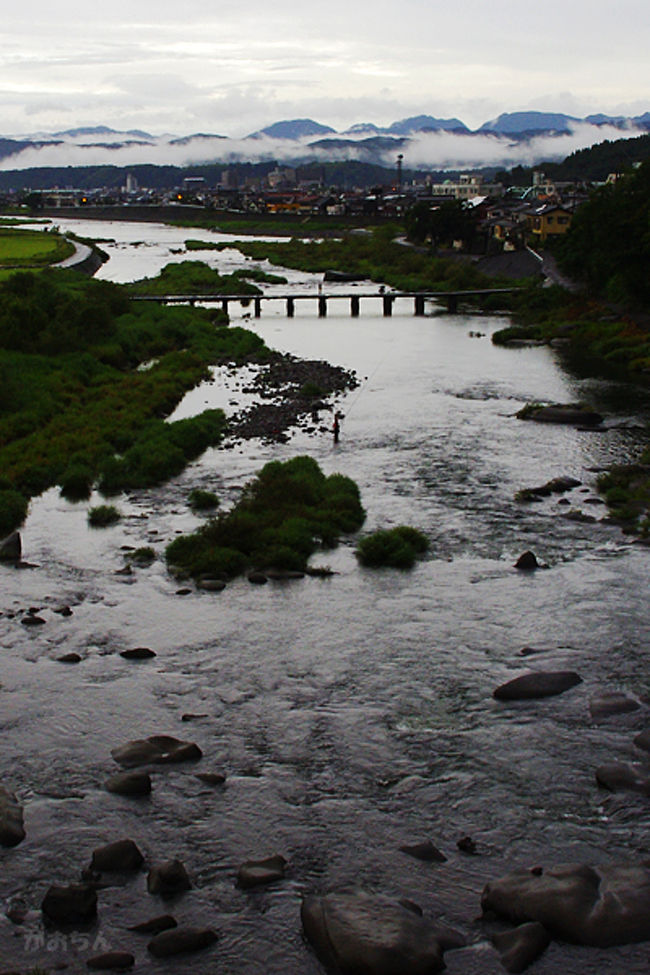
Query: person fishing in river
336, 427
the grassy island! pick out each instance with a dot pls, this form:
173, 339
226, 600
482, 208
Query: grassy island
288, 511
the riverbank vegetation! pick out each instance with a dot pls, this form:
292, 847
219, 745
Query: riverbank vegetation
195, 278
288, 511
86, 378
374, 255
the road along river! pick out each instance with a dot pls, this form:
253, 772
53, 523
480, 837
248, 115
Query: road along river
350, 715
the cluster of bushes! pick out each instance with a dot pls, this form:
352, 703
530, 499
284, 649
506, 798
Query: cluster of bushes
193, 278
626, 489
397, 548
376, 256
103, 515
283, 516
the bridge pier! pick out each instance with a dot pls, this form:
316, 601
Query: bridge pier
290, 307
452, 304
224, 305
354, 306
258, 307
322, 306
419, 304
387, 302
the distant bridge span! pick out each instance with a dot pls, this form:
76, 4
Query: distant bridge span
450, 298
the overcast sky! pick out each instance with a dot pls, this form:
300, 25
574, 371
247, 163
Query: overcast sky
186, 66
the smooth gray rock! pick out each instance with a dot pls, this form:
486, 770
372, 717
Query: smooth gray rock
168, 878
12, 831
211, 585
129, 784
611, 703
520, 947
11, 548
600, 906
112, 961
537, 684
573, 414
74, 904
624, 776
123, 855
181, 941
69, 658
163, 922
362, 933
137, 653
254, 873
156, 750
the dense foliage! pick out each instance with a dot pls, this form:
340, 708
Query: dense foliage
374, 255
284, 514
396, 548
608, 243
86, 377
194, 278
441, 224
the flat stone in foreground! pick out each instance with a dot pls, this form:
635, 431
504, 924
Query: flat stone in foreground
599, 906
520, 947
359, 932
156, 750
181, 941
537, 684
74, 904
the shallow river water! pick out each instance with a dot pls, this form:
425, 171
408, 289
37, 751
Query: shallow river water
353, 714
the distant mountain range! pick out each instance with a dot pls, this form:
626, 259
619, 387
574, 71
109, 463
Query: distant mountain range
424, 140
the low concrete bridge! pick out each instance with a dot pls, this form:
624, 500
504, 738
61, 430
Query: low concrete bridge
387, 298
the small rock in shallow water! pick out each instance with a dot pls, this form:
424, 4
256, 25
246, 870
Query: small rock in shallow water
168, 878
74, 904
156, 750
69, 658
467, 845
118, 856
137, 653
537, 684
11, 548
626, 776
211, 778
257, 578
180, 941
425, 851
112, 961
527, 562
129, 784
31, 620
642, 741
12, 831
257, 872
520, 947
610, 703
155, 924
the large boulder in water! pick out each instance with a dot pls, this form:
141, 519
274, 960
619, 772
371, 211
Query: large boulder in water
522, 945
537, 684
74, 904
600, 906
122, 855
359, 932
156, 750
573, 414
12, 831
624, 776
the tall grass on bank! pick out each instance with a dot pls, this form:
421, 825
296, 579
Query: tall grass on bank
288, 511
74, 406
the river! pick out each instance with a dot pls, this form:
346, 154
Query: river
350, 715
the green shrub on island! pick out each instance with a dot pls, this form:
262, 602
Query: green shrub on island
396, 548
287, 512
103, 515
76, 482
193, 278
200, 500
626, 489
143, 556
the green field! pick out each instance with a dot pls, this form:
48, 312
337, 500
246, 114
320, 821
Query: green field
32, 248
